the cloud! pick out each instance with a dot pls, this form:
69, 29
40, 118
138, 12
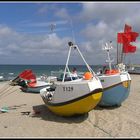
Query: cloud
62, 13
94, 24
5, 31
109, 12
97, 35
102, 22
95, 31
24, 46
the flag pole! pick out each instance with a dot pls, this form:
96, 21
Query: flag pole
121, 53
117, 54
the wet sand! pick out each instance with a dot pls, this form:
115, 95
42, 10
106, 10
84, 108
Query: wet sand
113, 122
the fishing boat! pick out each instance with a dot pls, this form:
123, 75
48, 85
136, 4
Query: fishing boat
116, 82
133, 70
28, 82
68, 96
34, 88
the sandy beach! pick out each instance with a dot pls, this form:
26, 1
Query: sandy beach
38, 121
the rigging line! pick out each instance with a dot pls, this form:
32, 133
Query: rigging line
122, 54
73, 35
117, 53
10, 93
66, 64
4, 87
124, 58
6, 91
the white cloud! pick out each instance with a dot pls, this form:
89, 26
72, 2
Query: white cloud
5, 31
97, 35
95, 31
102, 23
109, 12
62, 13
23, 46
95, 24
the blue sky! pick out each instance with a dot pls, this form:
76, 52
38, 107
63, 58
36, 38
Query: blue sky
26, 36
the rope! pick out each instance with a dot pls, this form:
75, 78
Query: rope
9, 93
6, 91
4, 87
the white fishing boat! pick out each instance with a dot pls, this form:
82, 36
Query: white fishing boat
34, 88
68, 96
133, 70
29, 83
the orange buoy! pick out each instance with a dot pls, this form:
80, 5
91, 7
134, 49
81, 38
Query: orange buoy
88, 75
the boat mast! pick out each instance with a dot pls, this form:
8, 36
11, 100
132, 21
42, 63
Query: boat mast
117, 54
66, 67
122, 55
108, 47
89, 68
71, 45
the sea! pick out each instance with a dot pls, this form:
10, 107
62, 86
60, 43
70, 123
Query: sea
9, 72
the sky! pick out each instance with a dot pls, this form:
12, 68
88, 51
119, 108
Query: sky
39, 32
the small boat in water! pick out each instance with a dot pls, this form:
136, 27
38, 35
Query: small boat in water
68, 96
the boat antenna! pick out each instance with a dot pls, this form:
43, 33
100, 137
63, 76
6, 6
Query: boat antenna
52, 27
73, 35
107, 47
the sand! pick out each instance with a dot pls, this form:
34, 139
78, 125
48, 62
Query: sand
123, 121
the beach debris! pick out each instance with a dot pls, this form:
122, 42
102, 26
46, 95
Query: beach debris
4, 110
26, 112
7, 108
5, 126
19, 105
13, 107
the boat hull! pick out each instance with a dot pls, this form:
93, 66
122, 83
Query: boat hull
33, 89
134, 72
73, 98
116, 91
115, 95
78, 107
